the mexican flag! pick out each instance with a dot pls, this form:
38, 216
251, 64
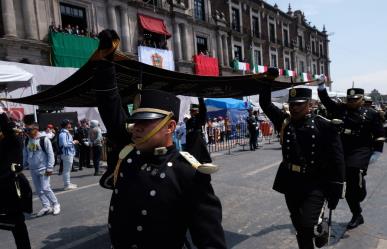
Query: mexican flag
242, 66
290, 73
259, 69
305, 77
280, 71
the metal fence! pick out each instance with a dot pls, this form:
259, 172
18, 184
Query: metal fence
221, 138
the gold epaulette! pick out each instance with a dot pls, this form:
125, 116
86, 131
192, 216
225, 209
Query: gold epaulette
206, 168
121, 156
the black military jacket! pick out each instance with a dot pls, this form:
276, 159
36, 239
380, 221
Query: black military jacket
11, 151
82, 135
311, 149
194, 139
362, 132
156, 199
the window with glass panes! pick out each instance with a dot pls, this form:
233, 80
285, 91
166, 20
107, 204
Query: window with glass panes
73, 15
238, 52
257, 57
272, 32
287, 63
273, 57
255, 23
199, 9
201, 45
235, 20
286, 38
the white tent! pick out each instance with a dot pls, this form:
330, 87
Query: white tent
13, 77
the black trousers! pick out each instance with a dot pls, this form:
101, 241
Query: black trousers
16, 224
356, 189
253, 139
97, 150
305, 210
84, 156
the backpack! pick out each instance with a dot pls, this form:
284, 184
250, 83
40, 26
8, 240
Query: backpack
41, 143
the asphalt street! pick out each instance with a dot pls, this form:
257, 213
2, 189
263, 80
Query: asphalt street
254, 216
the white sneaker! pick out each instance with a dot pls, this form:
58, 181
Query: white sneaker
56, 210
70, 187
44, 211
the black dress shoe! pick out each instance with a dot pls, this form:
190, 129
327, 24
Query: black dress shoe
355, 221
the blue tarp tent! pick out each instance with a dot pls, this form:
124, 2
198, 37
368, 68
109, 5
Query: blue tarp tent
234, 109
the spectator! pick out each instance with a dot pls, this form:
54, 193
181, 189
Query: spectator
48, 132
222, 128
67, 148
68, 29
82, 135
76, 30
181, 132
60, 29
95, 138
39, 157
52, 27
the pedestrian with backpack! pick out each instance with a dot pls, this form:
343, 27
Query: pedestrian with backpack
38, 155
67, 152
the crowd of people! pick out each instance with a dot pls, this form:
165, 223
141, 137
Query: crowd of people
72, 30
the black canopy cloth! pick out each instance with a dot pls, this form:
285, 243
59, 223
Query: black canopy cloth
77, 90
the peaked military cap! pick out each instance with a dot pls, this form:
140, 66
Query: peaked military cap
194, 107
299, 95
355, 93
154, 104
368, 99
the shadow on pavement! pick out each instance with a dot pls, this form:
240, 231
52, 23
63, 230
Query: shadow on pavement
95, 237
274, 228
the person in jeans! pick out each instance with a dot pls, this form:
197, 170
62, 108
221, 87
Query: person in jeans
67, 148
39, 156
95, 139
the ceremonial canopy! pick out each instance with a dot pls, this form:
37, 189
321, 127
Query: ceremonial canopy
77, 90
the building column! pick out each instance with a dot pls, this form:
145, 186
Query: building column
185, 44
220, 49
30, 25
225, 51
124, 29
9, 20
177, 41
112, 18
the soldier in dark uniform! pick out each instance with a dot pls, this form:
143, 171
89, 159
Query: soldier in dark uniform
362, 136
157, 194
195, 142
82, 135
11, 204
252, 124
312, 170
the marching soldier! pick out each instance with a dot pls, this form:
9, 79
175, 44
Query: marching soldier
362, 137
194, 139
312, 170
13, 200
157, 193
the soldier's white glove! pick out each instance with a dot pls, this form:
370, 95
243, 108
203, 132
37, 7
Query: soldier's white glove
321, 85
375, 156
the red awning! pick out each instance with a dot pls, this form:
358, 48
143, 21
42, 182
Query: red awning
153, 25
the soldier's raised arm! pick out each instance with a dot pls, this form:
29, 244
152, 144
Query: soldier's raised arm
202, 116
107, 94
274, 113
330, 105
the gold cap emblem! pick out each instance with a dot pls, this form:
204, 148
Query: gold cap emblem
293, 92
352, 92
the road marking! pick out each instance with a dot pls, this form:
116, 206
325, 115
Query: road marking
254, 172
68, 191
382, 244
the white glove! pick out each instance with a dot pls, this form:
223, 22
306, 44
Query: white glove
321, 85
375, 156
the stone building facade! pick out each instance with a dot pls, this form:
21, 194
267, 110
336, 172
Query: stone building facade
249, 30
